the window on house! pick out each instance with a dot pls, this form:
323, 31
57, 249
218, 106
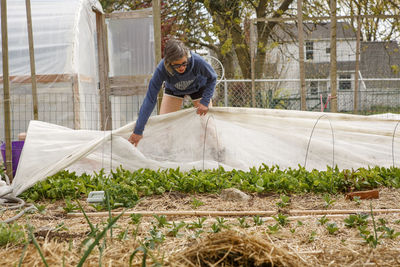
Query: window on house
313, 88
309, 50
345, 82
328, 50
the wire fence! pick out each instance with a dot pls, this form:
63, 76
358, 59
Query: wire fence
65, 110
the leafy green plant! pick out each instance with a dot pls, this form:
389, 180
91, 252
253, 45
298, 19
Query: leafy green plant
281, 219
388, 232
370, 238
156, 237
367, 236
196, 203
197, 224
328, 201
242, 222
135, 218
161, 220
357, 200
215, 227
222, 222
284, 202
175, 227
11, 234
258, 220
126, 187
40, 208
69, 206
123, 235
332, 228
274, 228
312, 236
355, 220
323, 220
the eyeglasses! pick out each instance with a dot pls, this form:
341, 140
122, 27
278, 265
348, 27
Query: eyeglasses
177, 66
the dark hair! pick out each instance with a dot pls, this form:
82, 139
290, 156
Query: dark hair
174, 50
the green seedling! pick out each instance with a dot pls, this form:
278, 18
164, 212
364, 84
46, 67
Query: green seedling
196, 203
215, 227
161, 220
355, 220
243, 223
312, 237
198, 224
11, 234
274, 228
323, 220
40, 208
61, 227
123, 235
221, 222
328, 201
332, 228
281, 219
357, 200
156, 237
135, 218
285, 201
258, 220
173, 231
388, 232
69, 206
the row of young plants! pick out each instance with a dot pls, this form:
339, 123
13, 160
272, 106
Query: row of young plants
126, 187
161, 228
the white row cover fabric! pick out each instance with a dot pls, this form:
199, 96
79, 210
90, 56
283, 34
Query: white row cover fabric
64, 30
234, 138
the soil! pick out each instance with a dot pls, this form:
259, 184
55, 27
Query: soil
62, 238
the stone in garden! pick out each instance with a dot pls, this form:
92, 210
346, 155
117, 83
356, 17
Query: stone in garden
233, 194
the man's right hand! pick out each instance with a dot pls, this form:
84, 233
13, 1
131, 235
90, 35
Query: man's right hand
135, 138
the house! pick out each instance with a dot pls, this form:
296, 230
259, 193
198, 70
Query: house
379, 75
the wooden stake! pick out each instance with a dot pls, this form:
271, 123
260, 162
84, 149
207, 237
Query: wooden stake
236, 213
6, 89
32, 60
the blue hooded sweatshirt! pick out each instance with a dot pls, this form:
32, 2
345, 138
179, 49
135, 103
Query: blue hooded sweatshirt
198, 74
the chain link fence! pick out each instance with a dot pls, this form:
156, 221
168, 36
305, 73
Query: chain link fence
285, 94
61, 109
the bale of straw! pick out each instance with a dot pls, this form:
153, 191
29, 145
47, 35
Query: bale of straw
230, 248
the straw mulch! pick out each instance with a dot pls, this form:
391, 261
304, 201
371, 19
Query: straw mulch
232, 248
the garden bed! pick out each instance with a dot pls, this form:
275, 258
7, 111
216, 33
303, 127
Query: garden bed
281, 239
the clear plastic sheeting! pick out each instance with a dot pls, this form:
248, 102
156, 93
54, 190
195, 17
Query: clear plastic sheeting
64, 41
234, 138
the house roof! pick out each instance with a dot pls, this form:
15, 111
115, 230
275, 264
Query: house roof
377, 61
313, 31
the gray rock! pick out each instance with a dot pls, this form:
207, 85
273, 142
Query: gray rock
233, 194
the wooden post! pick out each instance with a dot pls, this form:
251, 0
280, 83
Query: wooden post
32, 60
76, 102
357, 68
303, 92
253, 46
6, 89
157, 41
104, 85
333, 68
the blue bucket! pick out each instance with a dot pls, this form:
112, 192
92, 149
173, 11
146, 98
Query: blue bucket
16, 153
